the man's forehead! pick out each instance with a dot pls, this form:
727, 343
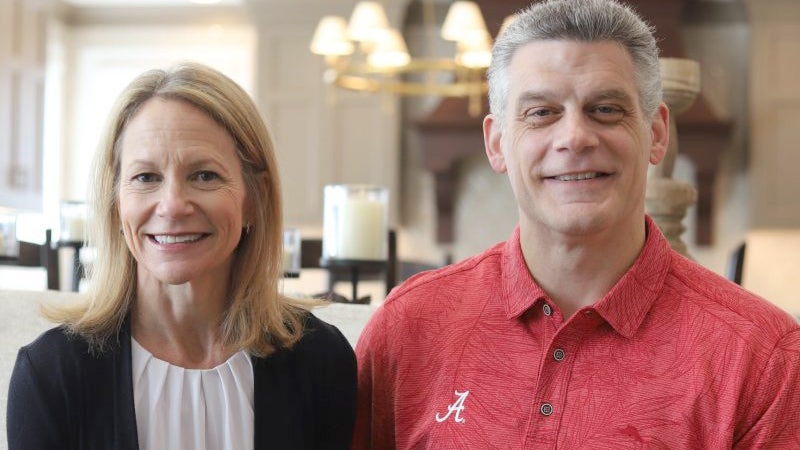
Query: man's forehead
553, 68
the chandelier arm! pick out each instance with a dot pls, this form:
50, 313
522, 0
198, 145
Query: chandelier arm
400, 87
362, 77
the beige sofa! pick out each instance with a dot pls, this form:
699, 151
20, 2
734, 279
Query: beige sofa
20, 323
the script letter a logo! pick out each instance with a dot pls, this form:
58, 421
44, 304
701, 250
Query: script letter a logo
456, 407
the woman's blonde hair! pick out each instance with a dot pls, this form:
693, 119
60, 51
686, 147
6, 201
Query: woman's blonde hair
257, 318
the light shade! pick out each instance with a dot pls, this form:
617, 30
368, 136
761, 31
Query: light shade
330, 37
463, 21
475, 52
389, 51
368, 22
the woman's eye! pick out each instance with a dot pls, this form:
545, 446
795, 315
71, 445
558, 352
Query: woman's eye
145, 177
206, 175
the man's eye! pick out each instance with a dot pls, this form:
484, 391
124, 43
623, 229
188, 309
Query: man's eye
608, 113
539, 113
540, 116
145, 177
206, 175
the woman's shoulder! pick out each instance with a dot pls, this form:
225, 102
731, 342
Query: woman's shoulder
319, 335
55, 342
55, 359
321, 344
60, 347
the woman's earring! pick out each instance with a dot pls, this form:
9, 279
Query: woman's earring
247, 228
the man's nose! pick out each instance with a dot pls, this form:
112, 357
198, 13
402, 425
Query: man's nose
175, 200
576, 133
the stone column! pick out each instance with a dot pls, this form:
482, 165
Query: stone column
667, 200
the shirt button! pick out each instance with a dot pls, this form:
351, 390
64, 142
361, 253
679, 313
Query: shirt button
546, 409
559, 354
547, 310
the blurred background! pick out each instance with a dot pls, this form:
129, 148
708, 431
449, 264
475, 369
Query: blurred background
63, 62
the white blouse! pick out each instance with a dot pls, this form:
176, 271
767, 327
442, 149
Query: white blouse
197, 409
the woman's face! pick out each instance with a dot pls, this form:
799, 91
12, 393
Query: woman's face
181, 194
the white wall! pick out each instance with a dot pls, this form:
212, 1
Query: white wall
102, 60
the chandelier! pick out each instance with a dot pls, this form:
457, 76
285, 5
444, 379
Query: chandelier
367, 54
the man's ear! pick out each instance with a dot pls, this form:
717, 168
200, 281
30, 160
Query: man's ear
492, 134
660, 132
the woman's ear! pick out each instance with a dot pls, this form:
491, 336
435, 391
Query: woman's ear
492, 134
660, 132
248, 218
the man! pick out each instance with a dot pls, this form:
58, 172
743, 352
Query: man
584, 329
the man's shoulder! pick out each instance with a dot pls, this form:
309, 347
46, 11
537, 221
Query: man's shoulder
720, 296
458, 276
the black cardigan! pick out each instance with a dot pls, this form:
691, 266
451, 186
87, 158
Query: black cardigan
61, 397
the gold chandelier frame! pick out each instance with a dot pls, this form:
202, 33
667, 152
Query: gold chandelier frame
382, 63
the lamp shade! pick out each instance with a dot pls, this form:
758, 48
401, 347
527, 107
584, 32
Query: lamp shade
330, 37
389, 51
368, 22
475, 52
463, 21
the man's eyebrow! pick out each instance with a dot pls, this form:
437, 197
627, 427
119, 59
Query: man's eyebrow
527, 97
613, 94
532, 96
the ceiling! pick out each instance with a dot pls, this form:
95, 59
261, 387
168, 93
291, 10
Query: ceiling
144, 3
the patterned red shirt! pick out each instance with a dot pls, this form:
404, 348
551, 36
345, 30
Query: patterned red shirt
476, 356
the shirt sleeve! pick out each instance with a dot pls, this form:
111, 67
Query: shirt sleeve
375, 427
35, 417
776, 409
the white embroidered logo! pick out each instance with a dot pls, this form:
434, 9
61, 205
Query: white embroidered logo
457, 406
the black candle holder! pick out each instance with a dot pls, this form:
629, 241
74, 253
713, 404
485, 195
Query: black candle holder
354, 268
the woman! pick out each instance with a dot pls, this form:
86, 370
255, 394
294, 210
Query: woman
183, 341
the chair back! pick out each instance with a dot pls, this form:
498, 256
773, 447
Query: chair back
41, 255
771, 266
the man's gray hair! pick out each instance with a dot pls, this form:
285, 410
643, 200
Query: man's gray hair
582, 21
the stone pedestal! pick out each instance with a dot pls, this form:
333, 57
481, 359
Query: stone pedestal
667, 200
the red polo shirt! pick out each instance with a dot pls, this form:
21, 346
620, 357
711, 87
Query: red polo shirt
476, 356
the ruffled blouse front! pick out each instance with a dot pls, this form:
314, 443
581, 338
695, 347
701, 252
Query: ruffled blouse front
197, 409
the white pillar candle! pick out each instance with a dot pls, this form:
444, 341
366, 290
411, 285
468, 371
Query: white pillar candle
355, 222
361, 227
73, 221
291, 250
287, 261
75, 228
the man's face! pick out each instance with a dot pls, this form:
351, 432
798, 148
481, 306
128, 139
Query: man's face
574, 141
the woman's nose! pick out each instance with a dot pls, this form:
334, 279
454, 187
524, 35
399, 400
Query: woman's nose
576, 133
175, 200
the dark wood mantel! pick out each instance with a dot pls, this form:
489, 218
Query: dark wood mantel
449, 134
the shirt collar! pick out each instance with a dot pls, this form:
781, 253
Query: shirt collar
624, 307
520, 291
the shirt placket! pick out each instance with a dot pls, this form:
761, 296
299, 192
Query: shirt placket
555, 370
